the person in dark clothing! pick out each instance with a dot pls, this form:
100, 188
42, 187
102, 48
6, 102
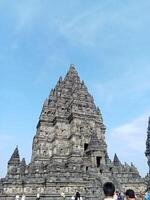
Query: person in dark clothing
109, 190
130, 195
77, 196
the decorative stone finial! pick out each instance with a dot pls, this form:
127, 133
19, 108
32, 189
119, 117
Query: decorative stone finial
22, 167
147, 152
72, 66
15, 158
116, 160
72, 74
94, 143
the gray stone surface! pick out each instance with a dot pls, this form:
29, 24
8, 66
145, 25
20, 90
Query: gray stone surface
147, 153
69, 152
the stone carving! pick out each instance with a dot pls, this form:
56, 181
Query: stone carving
147, 152
69, 152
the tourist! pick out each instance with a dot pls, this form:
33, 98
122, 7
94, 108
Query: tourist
141, 196
116, 195
147, 194
109, 190
77, 196
63, 195
17, 197
38, 196
23, 197
120, 197
130, 195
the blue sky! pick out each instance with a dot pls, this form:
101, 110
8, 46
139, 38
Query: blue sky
109, 43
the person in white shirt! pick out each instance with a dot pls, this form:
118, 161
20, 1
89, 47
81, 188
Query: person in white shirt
109, 190
17, 197
77, 196
37, 196
63, 195
23, 197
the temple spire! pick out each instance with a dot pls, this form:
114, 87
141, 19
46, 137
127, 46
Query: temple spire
23, 162
72, 68
22, 166
15, 158
134, 169
72, 74
147, 152
94, 143
116, 160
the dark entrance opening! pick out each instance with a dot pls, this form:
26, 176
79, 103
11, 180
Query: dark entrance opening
86, 168
98, 161
85, 146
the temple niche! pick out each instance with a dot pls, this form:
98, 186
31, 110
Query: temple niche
69, 151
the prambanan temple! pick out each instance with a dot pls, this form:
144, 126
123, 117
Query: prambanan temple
69, 151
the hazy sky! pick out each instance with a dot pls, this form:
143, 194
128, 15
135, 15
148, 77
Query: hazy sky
109, 43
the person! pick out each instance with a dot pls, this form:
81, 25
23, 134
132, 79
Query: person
119, 196
141, 195
38, 196
76, 197
116, 195
147, 194
17, 197
63, 195
109, 190
130, 195
23, 197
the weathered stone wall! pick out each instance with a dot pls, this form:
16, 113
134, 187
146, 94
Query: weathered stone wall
69, 152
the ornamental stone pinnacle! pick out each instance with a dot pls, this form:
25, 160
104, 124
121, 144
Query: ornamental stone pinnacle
69, 151
15, 158
116, 160
147, 152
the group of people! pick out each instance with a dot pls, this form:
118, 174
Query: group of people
23, 197
109, 192
77, 196
18, 197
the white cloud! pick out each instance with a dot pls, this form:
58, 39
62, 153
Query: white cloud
132, 85
132, 134
129, 142
83, 28
101, 23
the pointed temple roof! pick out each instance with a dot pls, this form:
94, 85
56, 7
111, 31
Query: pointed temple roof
23, 162
116, 160
15, 158
72, 73
69, 96
94, 144
147, 152
22, 167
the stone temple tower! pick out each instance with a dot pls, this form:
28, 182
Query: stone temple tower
67, 121
147, 152
69, 152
